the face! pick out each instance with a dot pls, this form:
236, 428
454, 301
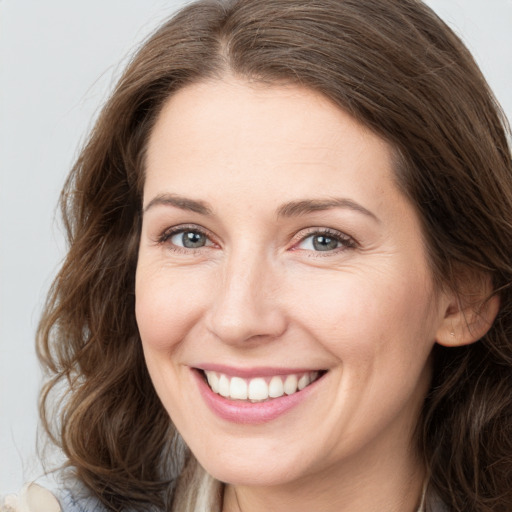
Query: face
279, 261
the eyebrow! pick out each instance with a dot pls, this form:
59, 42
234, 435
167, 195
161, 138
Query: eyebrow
290, 209
305, 206
183, 203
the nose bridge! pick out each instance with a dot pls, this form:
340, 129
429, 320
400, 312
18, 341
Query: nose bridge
245, 303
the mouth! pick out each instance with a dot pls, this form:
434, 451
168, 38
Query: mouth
260, 388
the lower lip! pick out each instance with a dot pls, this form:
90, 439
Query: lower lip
238, 411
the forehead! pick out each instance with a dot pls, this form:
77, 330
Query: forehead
253, 135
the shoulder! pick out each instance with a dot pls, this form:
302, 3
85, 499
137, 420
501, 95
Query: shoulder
35, 498
31, 498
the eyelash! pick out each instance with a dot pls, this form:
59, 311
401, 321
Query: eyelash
345, 241
176, 230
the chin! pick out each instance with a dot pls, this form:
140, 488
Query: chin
260, 467
248, 474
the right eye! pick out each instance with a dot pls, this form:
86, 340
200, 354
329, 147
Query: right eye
186, 238
189, 239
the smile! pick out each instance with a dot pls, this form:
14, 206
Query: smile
257, 395
259, 389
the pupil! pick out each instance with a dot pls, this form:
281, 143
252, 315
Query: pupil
192, 240
324, 243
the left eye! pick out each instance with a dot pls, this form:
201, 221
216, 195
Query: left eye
190, 239
323, 242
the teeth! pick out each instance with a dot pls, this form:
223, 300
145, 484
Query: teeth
213, 381
275, 388
258, 389
290, 384
303, 381
238, 388
223, 386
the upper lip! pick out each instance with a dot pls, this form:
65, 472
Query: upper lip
256, 371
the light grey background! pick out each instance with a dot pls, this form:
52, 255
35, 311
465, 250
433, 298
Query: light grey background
58, 60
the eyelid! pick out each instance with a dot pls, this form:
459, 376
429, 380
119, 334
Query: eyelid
169, 232
347, 241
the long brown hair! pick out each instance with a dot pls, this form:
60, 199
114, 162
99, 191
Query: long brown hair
400, 71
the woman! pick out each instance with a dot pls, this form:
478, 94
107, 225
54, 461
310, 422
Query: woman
288, 279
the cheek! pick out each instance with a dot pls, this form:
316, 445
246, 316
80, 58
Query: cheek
376, 314
166, 311
166, 308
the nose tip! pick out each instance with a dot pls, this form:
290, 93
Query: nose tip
245, 309
234, 328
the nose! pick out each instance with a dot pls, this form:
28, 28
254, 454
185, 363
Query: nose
245, 305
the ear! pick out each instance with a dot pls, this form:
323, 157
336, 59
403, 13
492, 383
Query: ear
468, 314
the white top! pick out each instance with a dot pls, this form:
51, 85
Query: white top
34, 498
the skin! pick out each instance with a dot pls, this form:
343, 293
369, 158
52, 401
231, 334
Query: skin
258, 294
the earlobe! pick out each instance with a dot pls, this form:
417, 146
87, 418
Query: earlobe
467, 321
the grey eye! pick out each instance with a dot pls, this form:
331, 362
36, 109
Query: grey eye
189, 239
324, 243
